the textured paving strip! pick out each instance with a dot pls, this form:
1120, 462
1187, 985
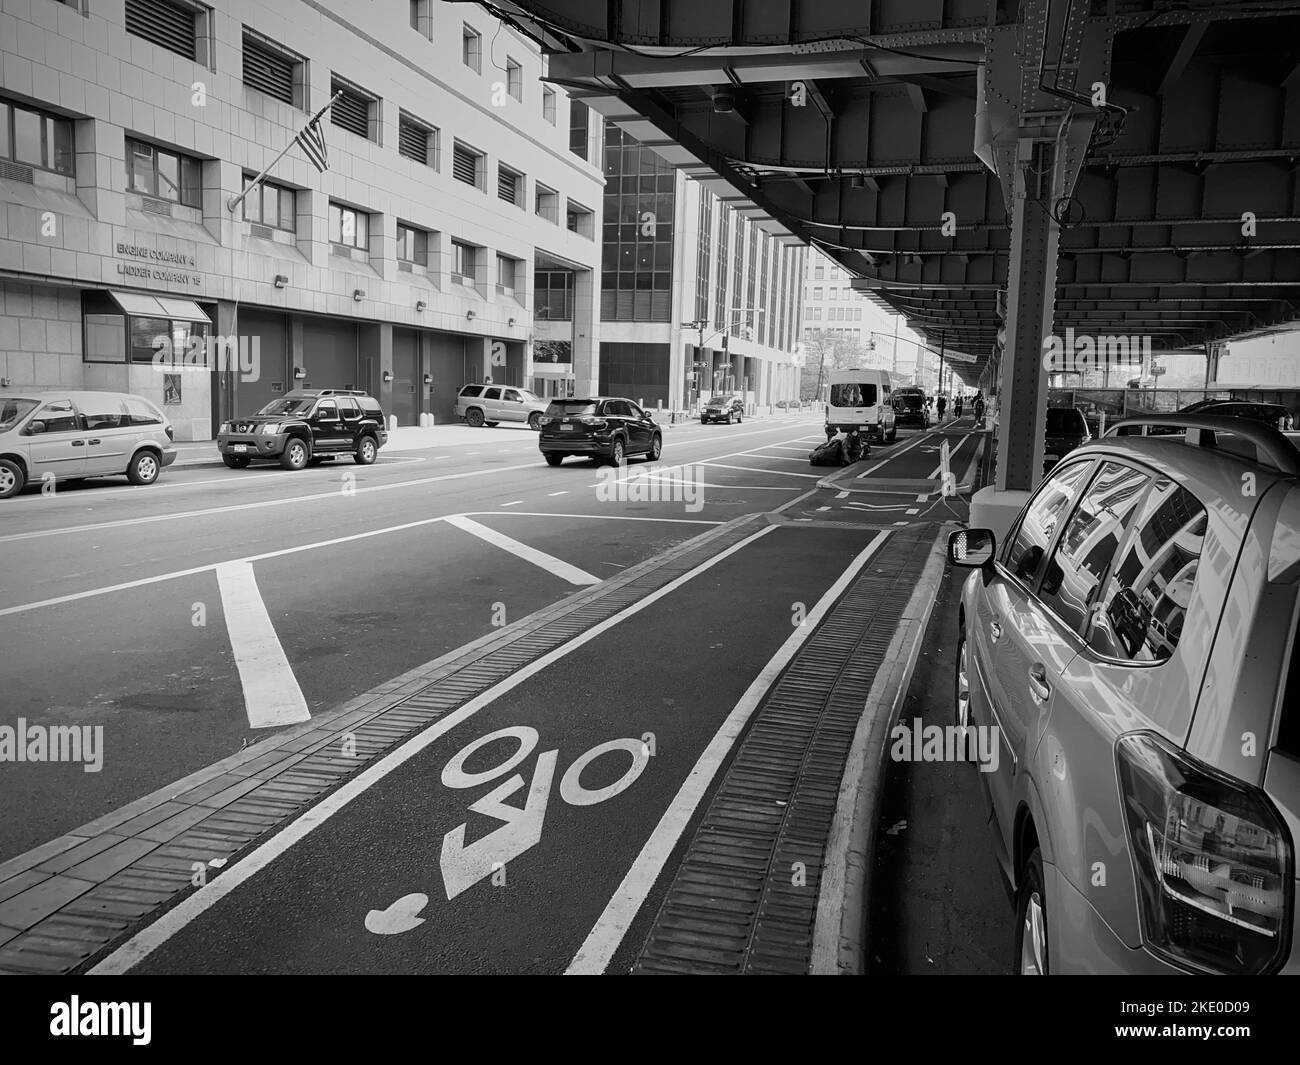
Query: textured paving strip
744, 899
74, 897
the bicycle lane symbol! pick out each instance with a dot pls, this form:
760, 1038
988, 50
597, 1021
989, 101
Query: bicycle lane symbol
462, 866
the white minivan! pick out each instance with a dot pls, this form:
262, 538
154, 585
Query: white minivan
860, 399
69, 435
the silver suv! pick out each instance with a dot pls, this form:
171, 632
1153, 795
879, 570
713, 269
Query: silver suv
1132, 648
490, 405
68, 435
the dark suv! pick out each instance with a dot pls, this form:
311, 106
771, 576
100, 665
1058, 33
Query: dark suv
723, 408
306, 425
603, 427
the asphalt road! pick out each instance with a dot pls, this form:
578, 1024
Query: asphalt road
136, 608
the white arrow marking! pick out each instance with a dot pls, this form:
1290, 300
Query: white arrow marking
462, 866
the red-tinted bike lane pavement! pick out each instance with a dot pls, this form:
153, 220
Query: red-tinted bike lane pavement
494, 840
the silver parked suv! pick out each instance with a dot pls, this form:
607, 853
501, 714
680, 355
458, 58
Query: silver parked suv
1133, 643
490, 405
71, 435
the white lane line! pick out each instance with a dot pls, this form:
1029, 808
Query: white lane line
541, 559
842, 495
784, 458
603, 940
175, 574
914, 510
283, 501
894, 454
144, 943
823, 508
634, 471
564, 493
952, 454
757, 469
514, 503
272, 696
782, 447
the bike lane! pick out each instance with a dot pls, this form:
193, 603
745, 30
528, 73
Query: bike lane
496, 847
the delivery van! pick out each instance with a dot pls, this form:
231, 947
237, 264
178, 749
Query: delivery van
860, 399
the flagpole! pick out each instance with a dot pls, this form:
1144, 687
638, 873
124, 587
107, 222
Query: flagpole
235, 201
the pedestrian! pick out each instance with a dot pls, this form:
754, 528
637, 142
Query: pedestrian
979, 407
942, 404
956, 410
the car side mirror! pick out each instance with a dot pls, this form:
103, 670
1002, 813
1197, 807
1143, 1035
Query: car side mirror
33, 428
972, 548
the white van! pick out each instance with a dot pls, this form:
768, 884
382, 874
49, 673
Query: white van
860, 399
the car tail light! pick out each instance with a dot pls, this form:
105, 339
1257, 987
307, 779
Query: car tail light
595, 423
1214, 863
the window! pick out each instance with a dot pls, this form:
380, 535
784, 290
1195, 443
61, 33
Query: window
348, 227
327, 410
548, 104
580, 220
492, 393
467, 165
422, 17
510, 185
464, 263
472, 390
1146, 598
471, 48
816, 314
833, 293
819, 271
102, 412
507, 275
57, 417
166, 175
1023, 555
271, 205
412, 245
514, 79
579, 128
182, 28
272, 69
553, 295
548, 203
36, 138
1087, 549
817, 294
356, 111
511, 396
348, 409
417, 140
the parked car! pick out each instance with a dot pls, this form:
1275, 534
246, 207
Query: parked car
306, 425
1067, 429
1273, 414
910, 408
860, 399
723, 408
1133, 647
603, 427
490, 405
73, 435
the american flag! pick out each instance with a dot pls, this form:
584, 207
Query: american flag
312, 140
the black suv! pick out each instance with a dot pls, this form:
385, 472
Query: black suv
603, 427
304, 426
723, 408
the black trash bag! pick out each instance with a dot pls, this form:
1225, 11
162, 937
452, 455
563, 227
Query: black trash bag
830, 453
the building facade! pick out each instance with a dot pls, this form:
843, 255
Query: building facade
452, 238
695, 297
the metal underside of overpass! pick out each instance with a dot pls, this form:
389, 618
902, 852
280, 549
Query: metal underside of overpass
998, 171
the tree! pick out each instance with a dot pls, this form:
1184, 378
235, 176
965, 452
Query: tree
825, 352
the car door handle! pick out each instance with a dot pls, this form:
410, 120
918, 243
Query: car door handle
92, 441
78, 443
995, 630
1038, 682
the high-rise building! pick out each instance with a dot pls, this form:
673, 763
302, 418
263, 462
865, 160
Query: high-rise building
452, 238
695, 298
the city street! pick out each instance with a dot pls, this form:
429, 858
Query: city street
219, 608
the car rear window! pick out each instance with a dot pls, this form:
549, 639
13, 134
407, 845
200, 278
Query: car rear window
1063, 420
570, 408
853, 395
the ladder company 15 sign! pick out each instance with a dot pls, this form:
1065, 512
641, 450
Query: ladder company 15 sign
152, 265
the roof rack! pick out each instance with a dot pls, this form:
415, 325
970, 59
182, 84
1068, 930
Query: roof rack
1271, 447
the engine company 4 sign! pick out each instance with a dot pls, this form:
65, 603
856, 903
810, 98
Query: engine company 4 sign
155, 264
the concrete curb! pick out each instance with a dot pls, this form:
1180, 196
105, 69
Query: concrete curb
845, 890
